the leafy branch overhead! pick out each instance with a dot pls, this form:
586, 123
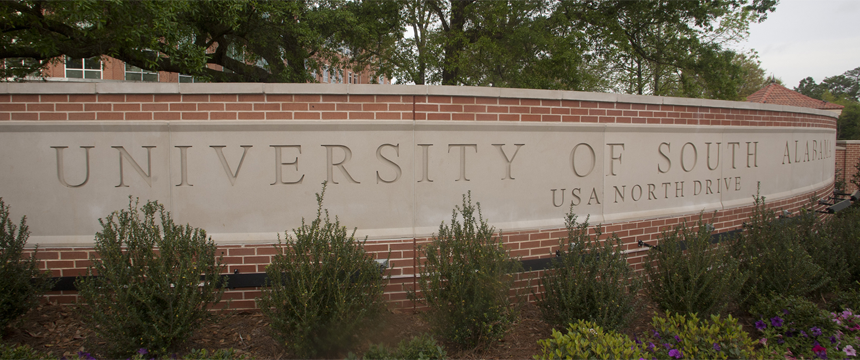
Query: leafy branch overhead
257, 41
675, 48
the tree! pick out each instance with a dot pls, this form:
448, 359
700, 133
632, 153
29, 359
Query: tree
846, 85
259, 41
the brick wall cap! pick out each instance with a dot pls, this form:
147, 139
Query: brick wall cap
369, 89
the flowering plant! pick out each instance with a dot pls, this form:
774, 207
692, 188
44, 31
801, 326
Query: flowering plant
780, 339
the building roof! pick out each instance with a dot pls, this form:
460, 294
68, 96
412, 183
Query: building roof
777, 94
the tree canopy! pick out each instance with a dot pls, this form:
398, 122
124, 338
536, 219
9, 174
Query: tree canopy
839, 89
254, 41
658, 47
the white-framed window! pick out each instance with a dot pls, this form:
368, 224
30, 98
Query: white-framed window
83, 68
134, 73
325, 75
188, 79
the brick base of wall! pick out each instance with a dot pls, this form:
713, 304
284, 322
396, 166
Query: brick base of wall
531, 244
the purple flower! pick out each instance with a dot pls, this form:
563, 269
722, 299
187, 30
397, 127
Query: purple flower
820, 351
784, 311
849, 351
650, 346
667, 345
86, 356
776, 321
832, 339
677, 339
636, 340
803, 333
656, 334
760, 325
716, 347
675, 354
815, 331
780, 341
142, 351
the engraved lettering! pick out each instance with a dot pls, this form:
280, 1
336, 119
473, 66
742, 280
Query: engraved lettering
183, 165
613, 158
753, 154
219, 149
651, 188
708, 187
633, 192
695, 157
573, 160
576, 193
815, 150
463, 158
679, 189
507, 160
279, 164
593, 197
787, 154
668, 162
737, 183
330, 164
147, 176
666, 189
61, 173
425, 162
553, 198
734, 145
397, 170
697, 187
806, 154
709, 156
620, 193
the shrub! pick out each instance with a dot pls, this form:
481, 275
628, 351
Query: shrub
589, 280
772, 256
685, 336
20, 279
323, 287
148, 292
702, 279
466, 280
797, 313
20, 352
847, 298
422, 347
587, 340
839, 254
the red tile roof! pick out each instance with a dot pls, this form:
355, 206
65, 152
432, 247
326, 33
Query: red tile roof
780, 95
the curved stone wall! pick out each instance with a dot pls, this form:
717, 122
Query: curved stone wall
243, 161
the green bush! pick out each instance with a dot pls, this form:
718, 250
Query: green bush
834, 246
773, 257
702, 279
148, 292
691, 338
847, 298
587, 340
20, 279
589, 280
466, 280
797, 312
422, 347
323, 287
20, 352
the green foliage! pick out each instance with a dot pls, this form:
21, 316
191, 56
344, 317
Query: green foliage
422, 347
586, 340
832, 244
466, 280
703, 278
148, 292
589, 280
717, 338
259, 41
220, 354
323, 287
847, 299
20, 352
771, 254
833, 337
797, 312
22, 282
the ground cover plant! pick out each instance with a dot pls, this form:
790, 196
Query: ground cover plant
323, 287
590, 280
148, 291
466, 280
781, 338
689, 274
422, 347
20, 279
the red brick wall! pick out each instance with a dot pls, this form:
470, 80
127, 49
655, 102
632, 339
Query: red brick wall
847, 157
530, 244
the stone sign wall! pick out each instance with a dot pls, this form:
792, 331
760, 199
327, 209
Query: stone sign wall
243, 161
